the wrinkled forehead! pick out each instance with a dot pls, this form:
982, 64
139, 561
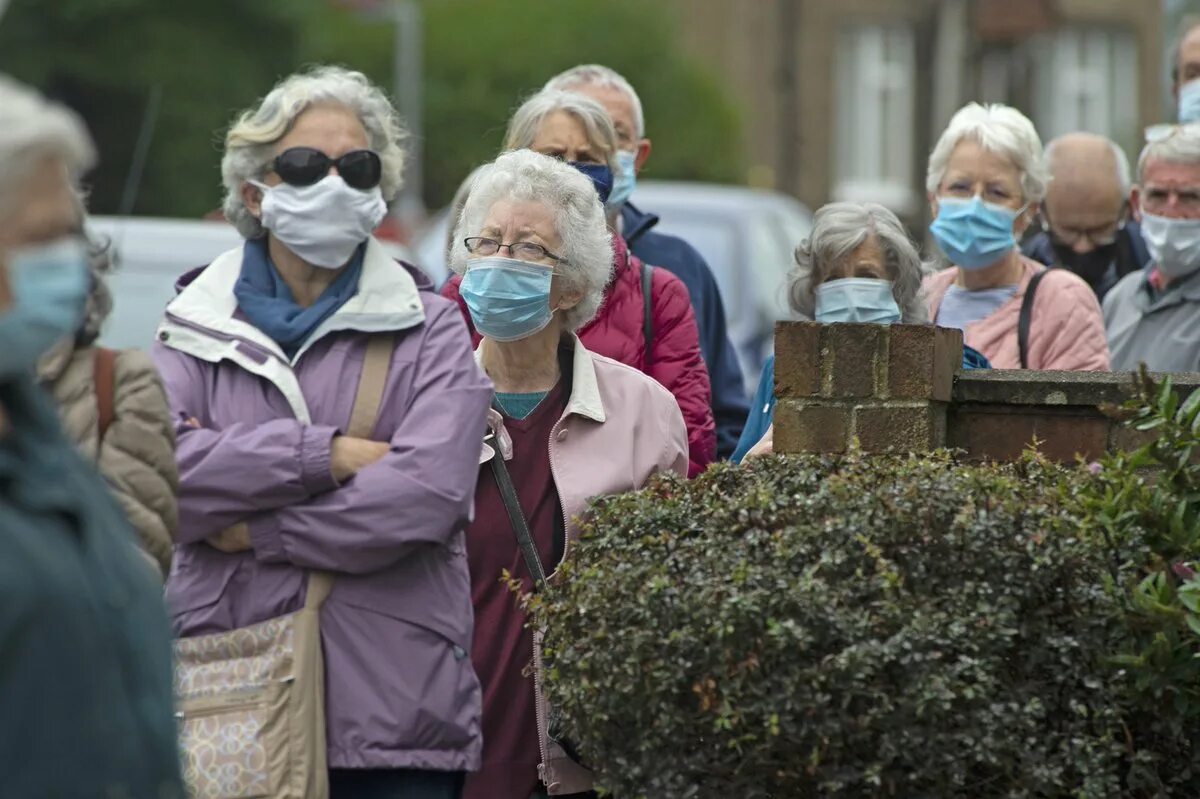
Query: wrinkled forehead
520, 218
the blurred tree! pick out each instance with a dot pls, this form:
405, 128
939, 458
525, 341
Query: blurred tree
104, 58
483, 57
213, 58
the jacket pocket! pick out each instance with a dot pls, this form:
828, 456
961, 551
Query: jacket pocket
196, 584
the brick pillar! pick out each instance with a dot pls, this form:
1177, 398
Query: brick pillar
888, 386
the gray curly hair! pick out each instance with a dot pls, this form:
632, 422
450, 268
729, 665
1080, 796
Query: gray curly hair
100, 263
839, 229
250, 143
526, 176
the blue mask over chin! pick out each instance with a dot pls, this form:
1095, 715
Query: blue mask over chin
508, 299
601, 177
50, 285
972, 233
1189, 102
856, 299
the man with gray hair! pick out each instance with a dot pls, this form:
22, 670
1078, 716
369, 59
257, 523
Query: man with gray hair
1153, 316
624, 107
1085, 215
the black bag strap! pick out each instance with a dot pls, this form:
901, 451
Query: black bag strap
647, 310
508, 492
516, 517
1026, 316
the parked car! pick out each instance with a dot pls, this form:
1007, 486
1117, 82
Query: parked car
150, 255
747, 235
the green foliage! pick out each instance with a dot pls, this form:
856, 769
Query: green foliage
212, 59
482, 58
103, 57
843, 627
1144, 507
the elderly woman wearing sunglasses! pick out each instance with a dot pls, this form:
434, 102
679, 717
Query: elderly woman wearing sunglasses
282, 473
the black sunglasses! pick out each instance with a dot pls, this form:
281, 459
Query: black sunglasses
304, 166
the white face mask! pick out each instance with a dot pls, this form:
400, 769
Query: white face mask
322, 223
1174, 244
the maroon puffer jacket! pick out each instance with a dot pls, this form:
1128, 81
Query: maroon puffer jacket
674, 358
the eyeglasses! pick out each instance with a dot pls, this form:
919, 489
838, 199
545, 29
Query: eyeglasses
521, 250
1101, 236
304, 166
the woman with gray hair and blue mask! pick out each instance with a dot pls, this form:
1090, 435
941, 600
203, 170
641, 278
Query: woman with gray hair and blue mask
329, 417
858, 265
85, 698
566, 425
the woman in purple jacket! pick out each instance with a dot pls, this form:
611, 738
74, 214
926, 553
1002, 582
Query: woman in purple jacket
260, 354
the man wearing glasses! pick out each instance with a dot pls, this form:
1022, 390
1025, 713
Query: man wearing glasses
1086, 226
1153, 316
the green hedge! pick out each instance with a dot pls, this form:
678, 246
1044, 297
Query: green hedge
860, 626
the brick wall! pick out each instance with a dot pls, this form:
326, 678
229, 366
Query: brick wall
899, 388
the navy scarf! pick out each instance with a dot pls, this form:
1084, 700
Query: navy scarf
269, 305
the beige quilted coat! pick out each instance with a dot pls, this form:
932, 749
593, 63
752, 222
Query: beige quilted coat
137, 457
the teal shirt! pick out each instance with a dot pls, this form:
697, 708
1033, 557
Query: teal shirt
85, 659
519, 406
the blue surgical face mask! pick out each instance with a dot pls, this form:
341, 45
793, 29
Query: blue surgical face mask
1189, 102
857, 299
49, 291
974, 234
625, 179
601, 177
508, 299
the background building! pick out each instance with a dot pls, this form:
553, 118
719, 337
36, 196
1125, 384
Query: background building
843, 99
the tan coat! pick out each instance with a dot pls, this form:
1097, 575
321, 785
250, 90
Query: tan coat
137, 457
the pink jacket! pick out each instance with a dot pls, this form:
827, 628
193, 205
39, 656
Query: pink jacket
1066, 330
619, 428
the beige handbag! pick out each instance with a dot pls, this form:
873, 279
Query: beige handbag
251, 701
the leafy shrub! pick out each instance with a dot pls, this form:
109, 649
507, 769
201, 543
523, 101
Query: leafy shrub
1144, 507
842, 627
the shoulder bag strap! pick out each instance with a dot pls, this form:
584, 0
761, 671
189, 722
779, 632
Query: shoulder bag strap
363, 416
516, 517
1026, 316
104, 367
647, 311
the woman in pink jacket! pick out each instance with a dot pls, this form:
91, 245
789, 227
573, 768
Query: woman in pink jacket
986, 177
645, 318
566, 425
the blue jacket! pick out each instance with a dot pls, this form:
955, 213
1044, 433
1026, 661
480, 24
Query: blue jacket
86, 703
762, 407
682, 260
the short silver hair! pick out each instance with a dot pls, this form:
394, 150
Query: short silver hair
1124, 176
523, 128
526, 176
1181, 146
31, 127
839, 229
250, 143
998, 129
605, 78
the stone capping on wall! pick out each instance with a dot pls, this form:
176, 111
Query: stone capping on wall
901, 388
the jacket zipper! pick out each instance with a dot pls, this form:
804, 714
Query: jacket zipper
542, 730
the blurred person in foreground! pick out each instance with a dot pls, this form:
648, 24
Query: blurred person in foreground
260, 353
624, 107
112, 406
645, 320
1153, 316
1086, 224
858, 265
986, 177
85, 694
566, 425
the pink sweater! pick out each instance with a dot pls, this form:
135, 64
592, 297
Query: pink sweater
1066, 330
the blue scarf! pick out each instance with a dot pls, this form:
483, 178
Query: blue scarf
269, 305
